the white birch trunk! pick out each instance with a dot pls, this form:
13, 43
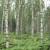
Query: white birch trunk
41, 28
32, 21
6, 21
42, 16
17, 21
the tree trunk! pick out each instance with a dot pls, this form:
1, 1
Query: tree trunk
41, 23
2, 17
32, 21
6, 22
17, 18
21, 13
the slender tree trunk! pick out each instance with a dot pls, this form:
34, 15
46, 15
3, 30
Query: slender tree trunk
32, 21
17, 21
42, 15
21, 25
2, 23
38, 22
6, 21
2, 17
21, 17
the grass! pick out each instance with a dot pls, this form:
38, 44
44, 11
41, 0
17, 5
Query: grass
25, 42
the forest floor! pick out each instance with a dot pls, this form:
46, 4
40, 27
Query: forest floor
24, 42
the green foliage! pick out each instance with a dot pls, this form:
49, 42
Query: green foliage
26, 42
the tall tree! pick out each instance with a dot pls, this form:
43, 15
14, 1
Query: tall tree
17, 15
21, 16
32, 17
42, 17
2, 16
5, 14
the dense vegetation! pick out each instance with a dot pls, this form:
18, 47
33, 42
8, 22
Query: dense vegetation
25, 42
24, 25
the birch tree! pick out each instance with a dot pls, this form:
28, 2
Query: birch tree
42, 17
17, 15
5, 14
32, 19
